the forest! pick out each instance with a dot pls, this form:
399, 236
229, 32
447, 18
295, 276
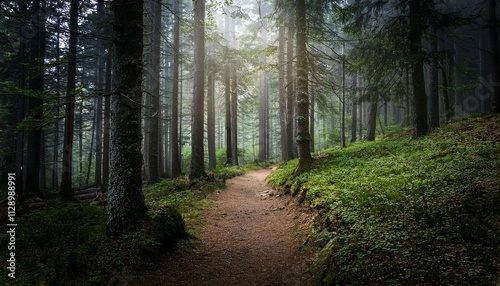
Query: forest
126, 124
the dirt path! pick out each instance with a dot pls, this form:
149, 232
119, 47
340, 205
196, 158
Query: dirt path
249, 239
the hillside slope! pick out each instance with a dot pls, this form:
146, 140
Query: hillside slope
407, 212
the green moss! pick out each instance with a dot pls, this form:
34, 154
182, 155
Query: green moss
67, 244
59, 244
161, 229
408, 211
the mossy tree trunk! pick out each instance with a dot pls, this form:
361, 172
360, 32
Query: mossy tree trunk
303, 136
126, 199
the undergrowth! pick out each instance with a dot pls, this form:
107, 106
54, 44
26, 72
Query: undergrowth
66, 244
407, 212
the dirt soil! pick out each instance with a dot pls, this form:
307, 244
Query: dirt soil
251, 237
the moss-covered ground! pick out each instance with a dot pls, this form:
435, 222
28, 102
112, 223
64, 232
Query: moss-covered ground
398, 211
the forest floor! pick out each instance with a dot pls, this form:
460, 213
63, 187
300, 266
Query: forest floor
252, 236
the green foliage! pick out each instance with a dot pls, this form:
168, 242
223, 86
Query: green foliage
404, 212
68, 245
60, 245
161, 229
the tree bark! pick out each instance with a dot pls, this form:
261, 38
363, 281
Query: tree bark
212, 164
91, 148
263, 119
311, 119
282, 91
107, 113
35, 105
55, 155
126, 199
197, 167
227, 88
21, 104
234, 117
342, 107
420, 124
101, 74
354, 110
174, 129
263, 103
227, 96
372, 119
153, 93
433, 82
290, 94
303, 137
66, 189
290, 105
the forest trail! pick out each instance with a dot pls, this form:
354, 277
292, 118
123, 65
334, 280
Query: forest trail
250, 238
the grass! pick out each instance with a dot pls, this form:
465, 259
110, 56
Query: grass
66, 244
408, 212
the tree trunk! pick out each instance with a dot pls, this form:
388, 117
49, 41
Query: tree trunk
66, 189
360, 109
408, 106
153, 93
263, 126
107, 112
197, 167
212, 164
55, 155
372, 119
34, 104
174, 129
342, 107
126, 199
101, 61
91, 149
354, 119
433, 83
420, 124
227, 93
290, 94
227, 87
80, 143
21, 104
302, 67
282, 92
311, 120
234, 118
264, 103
